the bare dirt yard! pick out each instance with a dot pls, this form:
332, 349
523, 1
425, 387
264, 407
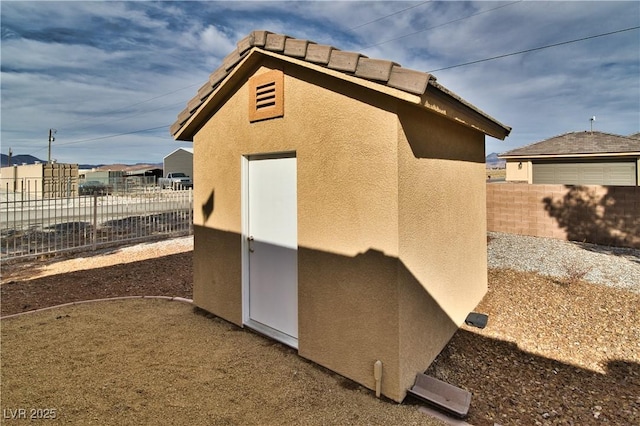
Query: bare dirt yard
554, 352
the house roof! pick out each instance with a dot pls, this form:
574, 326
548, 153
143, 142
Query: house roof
578, 144
356, 66
189, 150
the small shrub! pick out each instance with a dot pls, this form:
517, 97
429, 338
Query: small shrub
574, 272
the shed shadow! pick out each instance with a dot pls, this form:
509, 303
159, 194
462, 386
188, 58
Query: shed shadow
586, 217
439, 138
552, 392
208, 206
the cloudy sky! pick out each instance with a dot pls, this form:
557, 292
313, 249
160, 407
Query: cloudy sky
111, 77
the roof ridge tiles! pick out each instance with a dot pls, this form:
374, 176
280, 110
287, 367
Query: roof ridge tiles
381, 71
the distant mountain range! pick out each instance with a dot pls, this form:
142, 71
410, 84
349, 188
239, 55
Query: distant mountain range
18, 160
493, 162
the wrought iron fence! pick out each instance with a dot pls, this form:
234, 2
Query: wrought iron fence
33, 224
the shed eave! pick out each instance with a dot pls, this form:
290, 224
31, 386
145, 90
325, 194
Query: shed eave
441, 100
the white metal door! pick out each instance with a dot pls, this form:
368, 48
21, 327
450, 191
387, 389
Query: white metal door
273, 243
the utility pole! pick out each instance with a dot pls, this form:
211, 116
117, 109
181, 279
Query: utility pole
51, 139
10, 156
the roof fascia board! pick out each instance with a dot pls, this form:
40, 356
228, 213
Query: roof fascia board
590, 155
444, 102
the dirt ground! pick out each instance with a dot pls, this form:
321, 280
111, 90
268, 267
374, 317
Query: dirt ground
144, 362
552, 353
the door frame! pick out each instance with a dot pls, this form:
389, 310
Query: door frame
244, 246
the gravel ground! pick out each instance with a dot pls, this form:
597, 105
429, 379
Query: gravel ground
612, 266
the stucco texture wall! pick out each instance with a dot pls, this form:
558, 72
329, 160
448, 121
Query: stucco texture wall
442, 232
519, 171
370, 253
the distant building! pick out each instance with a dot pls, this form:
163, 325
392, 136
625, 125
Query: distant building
577, 158
41, 180
180, 160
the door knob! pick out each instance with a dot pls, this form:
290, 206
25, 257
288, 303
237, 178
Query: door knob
250, 239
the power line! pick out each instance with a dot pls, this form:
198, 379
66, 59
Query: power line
535, 49
114, 136
431, 71
126, 117
377, 44
389, 15
126, 107
442, 25
106, 137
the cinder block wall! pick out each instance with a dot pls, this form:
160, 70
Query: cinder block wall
608, 215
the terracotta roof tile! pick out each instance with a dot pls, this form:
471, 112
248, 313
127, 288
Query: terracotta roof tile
319, 53
578, 143
194, 103
344, 61
353, 63
374, 69
175, 127
275, 42
259, 38
183, 116
409, 80
245, 44
231, 60
296, 48
217, 76
205, 91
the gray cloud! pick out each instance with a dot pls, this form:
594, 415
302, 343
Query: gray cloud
98, 69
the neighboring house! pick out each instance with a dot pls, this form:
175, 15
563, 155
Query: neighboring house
577, 158
340, 205
180, 160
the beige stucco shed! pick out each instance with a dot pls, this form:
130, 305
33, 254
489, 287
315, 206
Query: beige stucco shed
339, 205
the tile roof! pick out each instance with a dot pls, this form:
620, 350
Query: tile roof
578, 143
380, 71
